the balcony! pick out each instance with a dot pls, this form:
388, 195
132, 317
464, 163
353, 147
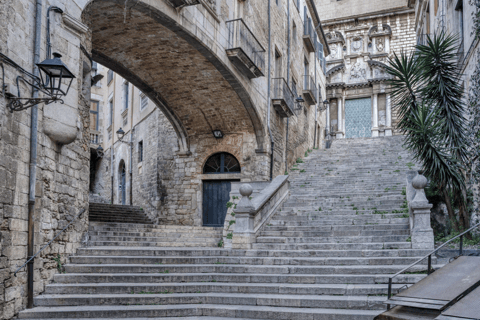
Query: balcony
282, 98
309, 90
244, 50
309, 35
183, 3
94, 138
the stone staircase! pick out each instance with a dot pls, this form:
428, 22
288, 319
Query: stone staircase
101, 212
327, 254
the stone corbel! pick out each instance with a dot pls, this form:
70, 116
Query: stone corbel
74, 25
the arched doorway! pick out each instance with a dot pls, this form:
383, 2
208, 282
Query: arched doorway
122, 183
216, 193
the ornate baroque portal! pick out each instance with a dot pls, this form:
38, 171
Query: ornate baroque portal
357, 90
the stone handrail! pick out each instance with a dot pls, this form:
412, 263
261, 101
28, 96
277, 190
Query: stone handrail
419, 210
252, 214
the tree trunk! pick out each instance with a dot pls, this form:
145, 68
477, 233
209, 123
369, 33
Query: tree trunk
451, 212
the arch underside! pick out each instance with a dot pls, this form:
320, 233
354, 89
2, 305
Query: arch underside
192, 87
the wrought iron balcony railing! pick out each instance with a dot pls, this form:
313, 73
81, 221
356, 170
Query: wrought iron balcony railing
244, 50
282, 98
309, 35
309, 90
183, 3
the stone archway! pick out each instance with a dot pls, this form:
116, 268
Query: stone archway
195, 89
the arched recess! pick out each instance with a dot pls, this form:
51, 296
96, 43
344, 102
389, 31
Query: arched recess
222, 162
195, 90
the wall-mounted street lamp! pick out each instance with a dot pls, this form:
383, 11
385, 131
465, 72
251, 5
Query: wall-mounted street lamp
299, 102
121, 135
100, 152
52, 73
326, 103
218, 134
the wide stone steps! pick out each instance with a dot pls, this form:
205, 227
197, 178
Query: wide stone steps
327, 253
226, 268
303, 261
234, 311
159, 252
238, 282
242, 299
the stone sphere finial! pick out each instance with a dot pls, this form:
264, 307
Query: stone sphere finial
419, 182
246, 190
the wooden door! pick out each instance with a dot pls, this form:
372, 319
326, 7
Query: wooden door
216, 194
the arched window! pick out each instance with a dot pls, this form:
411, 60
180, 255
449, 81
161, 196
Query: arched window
222, 163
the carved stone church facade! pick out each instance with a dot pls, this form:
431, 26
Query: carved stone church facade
357, 83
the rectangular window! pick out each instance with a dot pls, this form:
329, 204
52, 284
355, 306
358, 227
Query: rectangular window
125, 96
459, 9
143, 101
110, 112
294, 33
109, 76
278, 64
140, 151
94, 106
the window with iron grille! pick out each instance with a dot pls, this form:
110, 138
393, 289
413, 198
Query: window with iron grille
94, 108
110, 112
125, 96
143, 101
109, 76
140, 151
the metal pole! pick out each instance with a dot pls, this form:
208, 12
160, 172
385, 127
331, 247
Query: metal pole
269, 86
288, 80
33, 157
389, 291
429, 264
461, 246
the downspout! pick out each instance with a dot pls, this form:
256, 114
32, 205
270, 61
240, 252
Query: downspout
269, 87
33, 157
316, 106
131, 146
112, 148
288, 80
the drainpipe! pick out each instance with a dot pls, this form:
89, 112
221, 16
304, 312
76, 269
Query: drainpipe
49, 44
288, 79
131, 145
33, 157
269, 87
316, 106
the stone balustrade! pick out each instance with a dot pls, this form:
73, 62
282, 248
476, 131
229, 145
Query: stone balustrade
252, 214
419, 210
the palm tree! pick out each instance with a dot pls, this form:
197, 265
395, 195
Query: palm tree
427, 92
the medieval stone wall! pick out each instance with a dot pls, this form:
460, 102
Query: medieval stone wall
61, 183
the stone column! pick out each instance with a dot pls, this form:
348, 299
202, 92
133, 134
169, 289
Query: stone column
375, 115
422, 232
244, 234
339, 118
388, 124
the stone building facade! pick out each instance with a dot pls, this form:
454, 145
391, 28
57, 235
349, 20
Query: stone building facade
362, 35
186, 61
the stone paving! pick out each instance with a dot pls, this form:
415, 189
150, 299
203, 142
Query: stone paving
327, 254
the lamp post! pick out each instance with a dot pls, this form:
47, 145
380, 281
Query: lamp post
120, 136
299, 101
53, 72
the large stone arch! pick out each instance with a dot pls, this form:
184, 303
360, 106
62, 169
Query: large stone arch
194, 88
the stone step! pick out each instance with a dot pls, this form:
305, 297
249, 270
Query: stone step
255, 312
333, 246
336, 233
359, 220
336, 281
249, 261
359, 302
157, 252
229, 268
340, 227
333, 239
183, 243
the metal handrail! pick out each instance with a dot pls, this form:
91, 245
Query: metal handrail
429, 256
45, 246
